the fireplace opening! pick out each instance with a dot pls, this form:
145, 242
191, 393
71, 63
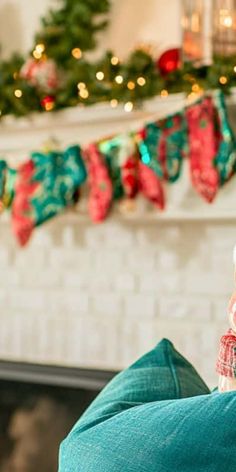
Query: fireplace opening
38, 406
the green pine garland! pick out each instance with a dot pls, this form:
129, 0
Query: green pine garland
74, 26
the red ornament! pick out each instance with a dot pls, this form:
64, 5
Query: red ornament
48, 103
169, 61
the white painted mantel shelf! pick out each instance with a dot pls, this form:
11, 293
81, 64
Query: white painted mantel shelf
18, 137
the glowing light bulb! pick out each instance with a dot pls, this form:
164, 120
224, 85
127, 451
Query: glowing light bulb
36, 54
223, 80
141, 81
164, 93
196, 88
128, 107
114, 60
100, 75
81, 85
114, 103
76, 53
40, 48
49, 106
119, 79
83, 93
131, 85
18, 93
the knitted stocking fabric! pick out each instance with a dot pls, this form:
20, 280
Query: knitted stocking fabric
101, 191
203, 146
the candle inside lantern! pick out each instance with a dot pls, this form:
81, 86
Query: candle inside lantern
224, 27
197, 31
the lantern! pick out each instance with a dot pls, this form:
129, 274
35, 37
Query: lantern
197, 31
224, 34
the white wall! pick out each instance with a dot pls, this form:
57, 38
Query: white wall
132, 22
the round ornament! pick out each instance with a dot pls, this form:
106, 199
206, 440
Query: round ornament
169, 61
48, 103
42, 74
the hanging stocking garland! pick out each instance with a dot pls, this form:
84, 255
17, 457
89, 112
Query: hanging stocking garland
225, 160
101, 191
123, 166
203, 146
45, 187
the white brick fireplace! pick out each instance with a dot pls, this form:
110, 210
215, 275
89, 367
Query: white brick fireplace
99, 296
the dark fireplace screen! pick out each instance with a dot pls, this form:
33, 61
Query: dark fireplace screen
38, 407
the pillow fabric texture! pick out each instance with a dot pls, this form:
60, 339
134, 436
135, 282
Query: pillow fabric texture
186, 435
139, 421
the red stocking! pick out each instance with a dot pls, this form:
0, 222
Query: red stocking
151, 186
129, 175
101, 192
203, 147
23, 225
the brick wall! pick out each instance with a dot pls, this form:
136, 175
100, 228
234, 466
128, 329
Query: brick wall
100, 296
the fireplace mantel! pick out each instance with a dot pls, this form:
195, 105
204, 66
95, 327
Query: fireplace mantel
79, 124
70, 377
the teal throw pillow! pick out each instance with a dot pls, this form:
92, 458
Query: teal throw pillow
162, 374
186, 435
